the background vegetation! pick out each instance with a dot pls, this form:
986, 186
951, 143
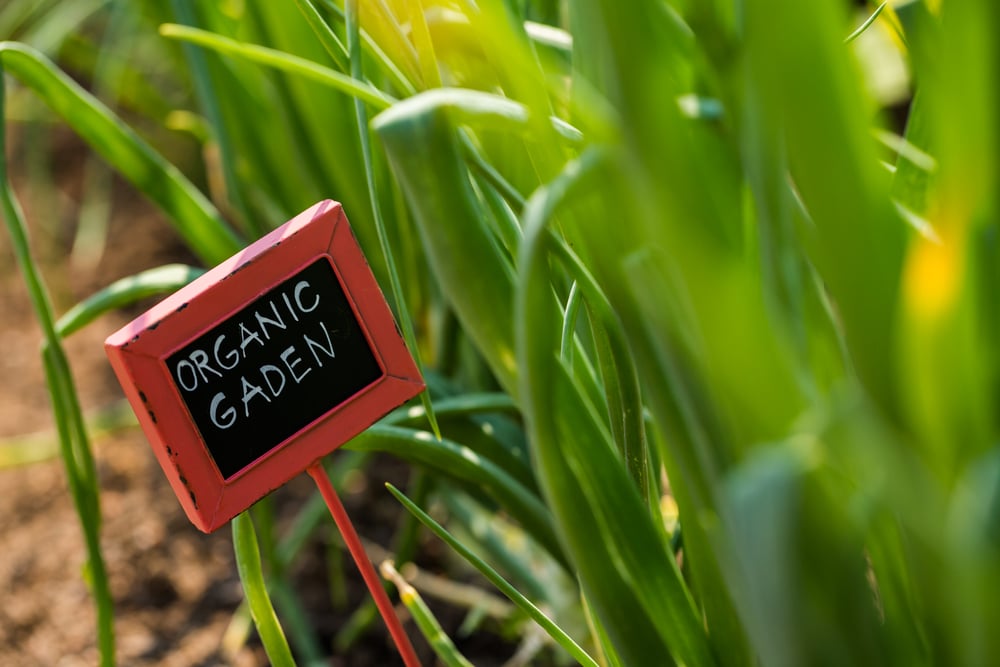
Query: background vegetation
704, 292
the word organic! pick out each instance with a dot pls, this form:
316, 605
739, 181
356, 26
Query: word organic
273, 367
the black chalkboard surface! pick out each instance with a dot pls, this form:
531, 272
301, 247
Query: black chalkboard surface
274, 367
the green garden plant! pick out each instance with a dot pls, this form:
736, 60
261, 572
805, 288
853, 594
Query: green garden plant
690, 251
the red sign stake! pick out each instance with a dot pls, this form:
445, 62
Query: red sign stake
339, 514
256, 370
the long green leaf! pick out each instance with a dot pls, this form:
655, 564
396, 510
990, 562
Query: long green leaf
428, 624
194, 217
464, 465
493, 539
417, 133
328, 38
361, 115
77, 457
864, 26
279, 60
621, 379
627, 573
252, 578
222, 133
403, 84
81, 474
533, 612
124, 292
455, 406
824, 131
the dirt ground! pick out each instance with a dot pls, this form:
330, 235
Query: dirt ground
175, 589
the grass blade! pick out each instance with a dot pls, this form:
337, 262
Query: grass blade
124, 292
566, 346
361, 115
394, 75
455, 406
821, 132
490, 436
279, 60
417, 133
464, 465
621, 379
627, 572
81, 474
194, 217
421, 37
77, 457
209, 102
502, 585
327, 37
252, 578
864, 26
492, 537
425, 619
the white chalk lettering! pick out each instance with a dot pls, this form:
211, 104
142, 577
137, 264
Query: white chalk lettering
200, 360
313, 345
291, 364
181, 365
246, 336
228, 417
299, 286
261, 356
232, 355
268, 371
288, 302
249, 391
264, 321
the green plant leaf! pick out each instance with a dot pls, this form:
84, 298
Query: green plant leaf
417, 133
77, 457
463, 465
279, 60
428, 624
533, 612
124, 292
864, 26
195, 219
252, 578
361, 115
628, 574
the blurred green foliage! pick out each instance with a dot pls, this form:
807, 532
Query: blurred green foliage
733, 254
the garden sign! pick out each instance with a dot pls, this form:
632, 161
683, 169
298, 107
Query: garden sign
253, 372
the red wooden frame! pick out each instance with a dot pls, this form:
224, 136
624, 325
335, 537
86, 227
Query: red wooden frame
138, 354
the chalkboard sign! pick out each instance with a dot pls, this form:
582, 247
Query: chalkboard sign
274, 367
250, 374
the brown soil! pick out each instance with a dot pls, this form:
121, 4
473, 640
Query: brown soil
175, 589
